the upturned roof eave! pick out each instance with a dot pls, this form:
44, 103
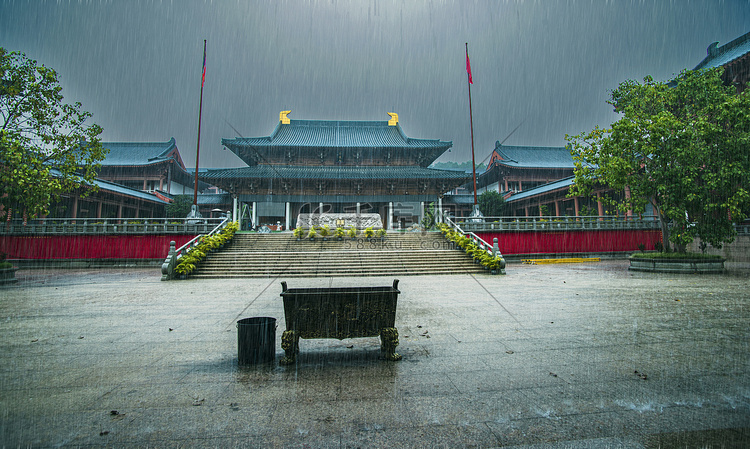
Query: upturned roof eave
328, 172
722, 51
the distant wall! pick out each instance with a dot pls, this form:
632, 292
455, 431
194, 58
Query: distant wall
737, 251
584, 241
89, 246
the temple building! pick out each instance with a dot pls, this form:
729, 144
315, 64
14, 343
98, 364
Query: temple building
109, 201
336, 167
148, 166
514, 169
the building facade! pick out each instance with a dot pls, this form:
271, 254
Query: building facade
339, 167
109, 201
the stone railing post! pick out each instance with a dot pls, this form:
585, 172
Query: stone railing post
167, 268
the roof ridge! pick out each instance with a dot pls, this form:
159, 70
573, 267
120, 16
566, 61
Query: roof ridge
141, 143
733, 43
714, 51
338, 122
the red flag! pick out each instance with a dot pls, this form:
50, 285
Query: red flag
468, 67
203, 78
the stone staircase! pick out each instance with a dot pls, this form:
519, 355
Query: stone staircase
281, 254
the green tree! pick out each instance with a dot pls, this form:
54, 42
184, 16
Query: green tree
491, 203
180, 207
428, 222
682, 146
46, 146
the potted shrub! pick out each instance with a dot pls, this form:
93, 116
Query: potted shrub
311, 235
325, 231
477, 253
299, 232
352, 232
7, 271
463, 242
485, 260
369, 232
186, 265
496, 265
339, 233
381, 233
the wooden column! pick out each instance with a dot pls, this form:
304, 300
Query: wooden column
629, 213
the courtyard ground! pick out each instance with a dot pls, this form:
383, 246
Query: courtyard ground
567, 355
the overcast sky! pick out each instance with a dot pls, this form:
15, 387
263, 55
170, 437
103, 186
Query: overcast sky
136, 65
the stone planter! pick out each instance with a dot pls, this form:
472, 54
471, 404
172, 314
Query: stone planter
689, 266
8, 275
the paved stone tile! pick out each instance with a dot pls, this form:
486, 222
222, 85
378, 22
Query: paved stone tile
572, 356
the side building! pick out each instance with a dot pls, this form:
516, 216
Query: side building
148, 166
338, 167
513, 169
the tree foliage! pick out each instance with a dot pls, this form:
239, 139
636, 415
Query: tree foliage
682, 146
491, 203
180, 207
46, 146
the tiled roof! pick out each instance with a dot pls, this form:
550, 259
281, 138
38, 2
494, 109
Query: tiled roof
719, 56
330, 172
138, 153
122, 190
460, 198
534, 157
112, 187
320, 133
550, 187
209, 199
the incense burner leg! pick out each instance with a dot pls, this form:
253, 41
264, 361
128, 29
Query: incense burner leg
388, 343
290, 345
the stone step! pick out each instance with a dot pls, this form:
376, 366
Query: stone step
334, 245
232, 275
334, 266
341, 253
282, 255
287, 272
342, 262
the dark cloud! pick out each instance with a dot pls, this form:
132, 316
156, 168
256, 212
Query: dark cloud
136, 64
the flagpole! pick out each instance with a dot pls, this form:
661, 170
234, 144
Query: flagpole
471, 123
198, 147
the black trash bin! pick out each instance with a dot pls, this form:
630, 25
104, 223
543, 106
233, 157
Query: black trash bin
256, 340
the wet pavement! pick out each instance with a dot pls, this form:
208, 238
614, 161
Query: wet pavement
568, 355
